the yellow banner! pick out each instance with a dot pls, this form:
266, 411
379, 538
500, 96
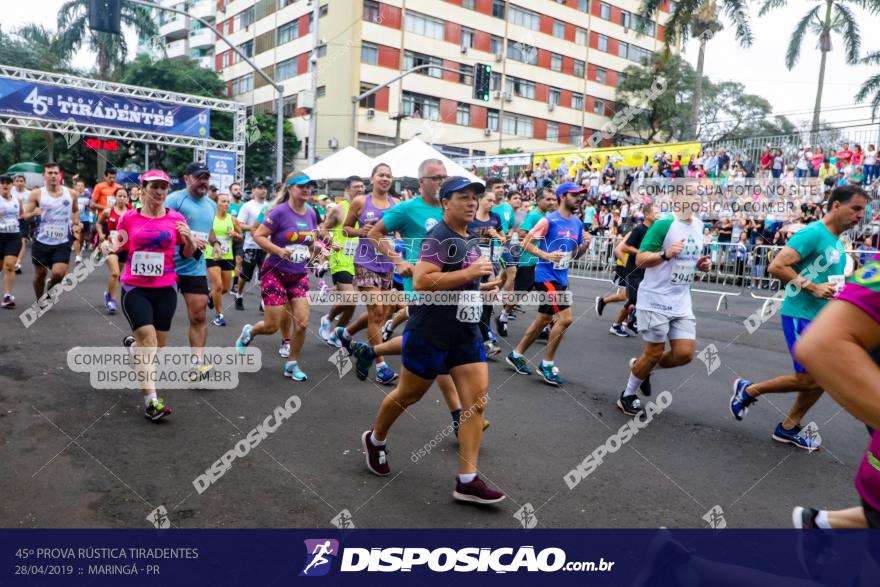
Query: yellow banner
630, 156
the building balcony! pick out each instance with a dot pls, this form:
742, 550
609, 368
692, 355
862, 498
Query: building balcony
206, 9
174, 29
201, 39
177, 49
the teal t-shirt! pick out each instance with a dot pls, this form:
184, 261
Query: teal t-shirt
505, 212
527, 259
199, 214
234, 208
822, 256
412, 219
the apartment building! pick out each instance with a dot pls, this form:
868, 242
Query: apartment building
556, 65
180, 36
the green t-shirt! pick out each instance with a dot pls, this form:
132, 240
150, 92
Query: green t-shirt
412, 219
505, 212
527, 259
235, 207
822, 257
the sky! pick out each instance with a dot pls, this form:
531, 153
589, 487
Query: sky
761, 67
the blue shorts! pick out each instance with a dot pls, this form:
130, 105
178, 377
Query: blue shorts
427, 361
793, 328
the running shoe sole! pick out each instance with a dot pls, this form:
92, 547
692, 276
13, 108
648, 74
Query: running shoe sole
364, 440
622, 409
794, 443
474, 499
550, 381
797, 517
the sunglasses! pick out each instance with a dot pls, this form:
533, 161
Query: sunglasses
436, 177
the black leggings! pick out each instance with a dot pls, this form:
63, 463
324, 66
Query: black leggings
153, 306
486, 321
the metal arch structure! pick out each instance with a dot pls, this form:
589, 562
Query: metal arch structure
66, 82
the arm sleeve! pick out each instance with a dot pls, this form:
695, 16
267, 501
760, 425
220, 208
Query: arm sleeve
653, 241
540, 229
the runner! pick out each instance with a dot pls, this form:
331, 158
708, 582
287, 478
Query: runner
10, 238
488, 228
84, 201
103, 192
341, 261
58, 212
249, 219
560, 237
288, 236
850, 325
192, 272
108, 223
154, 237
619, 280
813, 261
670, 254
507, 213
524, 279
235, 205
436, 342
22, 194
220, 268
373, 271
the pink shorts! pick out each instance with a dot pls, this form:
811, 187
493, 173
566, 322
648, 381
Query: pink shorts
278, 287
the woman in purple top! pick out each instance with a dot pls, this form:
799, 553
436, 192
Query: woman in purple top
287, 234
372, 272
850, 325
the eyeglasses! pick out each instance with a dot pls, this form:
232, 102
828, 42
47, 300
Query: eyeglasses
436, 177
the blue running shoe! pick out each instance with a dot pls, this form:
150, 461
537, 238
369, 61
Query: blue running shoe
343, 340
292, 370
519, 364
244, 339
219, 320
364, 355
550, 373
385, 375
740, 400
795, 437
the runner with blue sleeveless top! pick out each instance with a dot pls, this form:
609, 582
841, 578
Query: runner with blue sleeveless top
373, 271
561, 239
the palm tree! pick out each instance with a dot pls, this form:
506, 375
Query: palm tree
699, 19
837, 17
111, 50
871, 87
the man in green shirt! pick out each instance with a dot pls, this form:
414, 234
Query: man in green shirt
812, 265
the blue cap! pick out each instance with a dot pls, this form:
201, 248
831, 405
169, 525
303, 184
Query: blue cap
457, 184
569, 187
301, 179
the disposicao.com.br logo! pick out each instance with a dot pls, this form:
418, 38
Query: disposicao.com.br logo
442, 560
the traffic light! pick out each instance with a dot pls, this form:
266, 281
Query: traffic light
104, 16
482, 81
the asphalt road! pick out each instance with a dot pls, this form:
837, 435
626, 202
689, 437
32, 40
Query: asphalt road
74, 456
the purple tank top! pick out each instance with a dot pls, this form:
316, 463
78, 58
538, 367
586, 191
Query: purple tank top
366, 255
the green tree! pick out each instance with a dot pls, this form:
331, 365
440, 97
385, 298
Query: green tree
826, 17
700, 19
111, 51
870, 88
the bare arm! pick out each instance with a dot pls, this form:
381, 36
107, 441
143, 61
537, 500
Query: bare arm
261, 237
32, 208
782, 267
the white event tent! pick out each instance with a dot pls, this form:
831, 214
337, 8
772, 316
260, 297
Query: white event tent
404, 160
348, 161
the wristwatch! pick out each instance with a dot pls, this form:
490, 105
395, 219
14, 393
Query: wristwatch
663, 255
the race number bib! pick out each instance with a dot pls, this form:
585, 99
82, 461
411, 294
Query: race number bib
683, 272
470, 307
9, 224
53, 232
225, 246
111, 201
349, 248
496, 253
563, 262
200, 236
113, 235
298, 253
838, 281
146, 264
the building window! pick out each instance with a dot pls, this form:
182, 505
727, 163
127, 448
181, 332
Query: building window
288, 32
520, 87
554, 96
639, 55
623, 50
577, 101
245, 18
599, 107
247, 48
419, 106
290, 107
625, 19
555, 62
469, 4
580, 36
466, 74
605, 11
578, 69
321, 50
463, 115
424, 25
492, 119
498, 8
495, 81
575, 135
525, 18
650, 26
522, 126
558, 29
522, 52
496, 45
369, 101
601, 75
369, 53
243, 84
286, 69
371, 11
584, 5
552, 132
603, 43
467, 38
411, 60
321, 91
322, 12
